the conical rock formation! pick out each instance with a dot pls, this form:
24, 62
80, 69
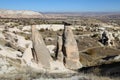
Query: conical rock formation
70, 50
41, 53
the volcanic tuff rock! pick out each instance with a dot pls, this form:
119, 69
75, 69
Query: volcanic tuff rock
59, 54
41, 53
27, 55
15, 41
12, 41
70, 50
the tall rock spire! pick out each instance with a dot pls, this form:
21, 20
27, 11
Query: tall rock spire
70, 50
41, 53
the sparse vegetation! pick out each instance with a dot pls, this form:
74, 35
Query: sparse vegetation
92, 55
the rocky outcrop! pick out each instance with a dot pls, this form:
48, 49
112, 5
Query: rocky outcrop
12, 41
15, 41
111, 41
41, 53
107, 39
67, 50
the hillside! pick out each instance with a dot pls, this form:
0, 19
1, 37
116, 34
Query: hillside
20, 14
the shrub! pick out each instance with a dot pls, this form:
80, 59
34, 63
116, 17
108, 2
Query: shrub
42, 30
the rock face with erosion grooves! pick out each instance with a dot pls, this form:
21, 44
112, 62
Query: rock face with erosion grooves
41, 53
70, 50
59, 54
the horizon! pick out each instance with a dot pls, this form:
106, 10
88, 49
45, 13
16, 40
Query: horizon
63, 12
62, 5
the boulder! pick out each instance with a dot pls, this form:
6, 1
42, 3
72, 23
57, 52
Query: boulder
58, 67
51, 49
27, 55
41, 53
70, 50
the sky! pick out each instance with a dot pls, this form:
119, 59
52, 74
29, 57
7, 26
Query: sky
62, 5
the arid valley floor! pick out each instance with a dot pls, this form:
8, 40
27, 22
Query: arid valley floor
59, 46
